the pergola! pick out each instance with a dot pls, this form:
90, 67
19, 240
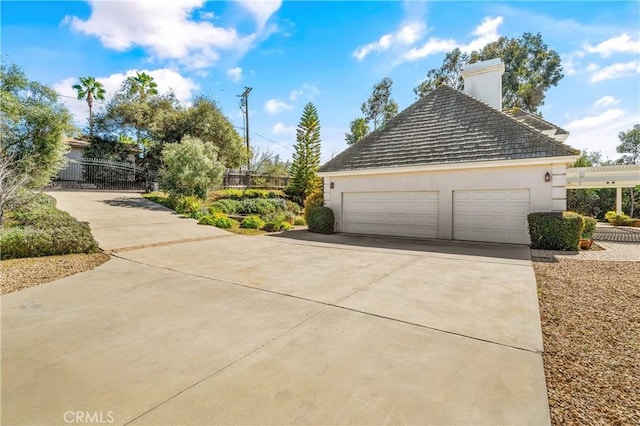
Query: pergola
618, 177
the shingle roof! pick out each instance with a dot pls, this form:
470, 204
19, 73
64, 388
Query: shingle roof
538, 123
447, 126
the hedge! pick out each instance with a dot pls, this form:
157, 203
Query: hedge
34, 241
555, 230
320, 219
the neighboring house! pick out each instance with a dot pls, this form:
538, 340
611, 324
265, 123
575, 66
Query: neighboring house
76, 148
452, 166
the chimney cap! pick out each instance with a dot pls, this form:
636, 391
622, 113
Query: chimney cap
494, 64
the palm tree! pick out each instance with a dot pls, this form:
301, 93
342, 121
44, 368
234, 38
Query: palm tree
90, 89
143, 85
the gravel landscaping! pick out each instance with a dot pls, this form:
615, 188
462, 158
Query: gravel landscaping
18, 274
590, 315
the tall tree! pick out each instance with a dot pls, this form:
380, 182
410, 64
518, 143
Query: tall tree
33, 125
630, 146
531, 68
359, 129
380, 107
449, 73
306, 156
142, 85
90, 89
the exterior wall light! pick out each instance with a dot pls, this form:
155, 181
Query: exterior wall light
547, 177
331, 185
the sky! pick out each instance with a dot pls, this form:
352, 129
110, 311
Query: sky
330, 53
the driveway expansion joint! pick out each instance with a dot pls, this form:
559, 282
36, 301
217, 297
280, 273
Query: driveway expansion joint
166, 243
225, 367
334, 305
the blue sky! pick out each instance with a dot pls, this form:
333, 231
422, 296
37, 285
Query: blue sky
330, 53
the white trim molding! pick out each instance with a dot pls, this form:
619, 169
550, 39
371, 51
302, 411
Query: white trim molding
567, 159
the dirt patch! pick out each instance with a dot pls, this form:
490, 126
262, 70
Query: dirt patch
18, 274
590, 315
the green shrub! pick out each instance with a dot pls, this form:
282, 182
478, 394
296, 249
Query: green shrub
610, 215
252, 222
188, 205
589, 227
320, 219
161, 199
261, 206
299, 221
227, 206
275, 226
239, 194
312, 202
292, 207
618, 219
190, 167
218, 220
34, 242
555, 230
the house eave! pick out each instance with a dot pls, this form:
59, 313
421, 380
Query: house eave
565, 159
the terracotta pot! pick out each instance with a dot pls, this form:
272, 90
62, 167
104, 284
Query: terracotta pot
585, 244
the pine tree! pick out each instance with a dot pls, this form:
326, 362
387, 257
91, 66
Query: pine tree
306, 158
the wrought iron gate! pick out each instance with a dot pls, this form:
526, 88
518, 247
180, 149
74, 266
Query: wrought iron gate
102, 174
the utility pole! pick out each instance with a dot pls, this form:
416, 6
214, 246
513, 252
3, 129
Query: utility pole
244, 104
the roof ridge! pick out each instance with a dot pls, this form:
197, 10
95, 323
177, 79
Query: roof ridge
535, 117
517, 122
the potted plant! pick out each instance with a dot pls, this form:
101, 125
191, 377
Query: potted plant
586, 240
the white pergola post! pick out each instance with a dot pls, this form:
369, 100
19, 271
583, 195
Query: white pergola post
618, 200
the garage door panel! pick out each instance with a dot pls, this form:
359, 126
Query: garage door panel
413, 214
492, 216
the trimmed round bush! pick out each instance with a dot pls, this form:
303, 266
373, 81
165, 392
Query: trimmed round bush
555, 230
320, 219
312, 202
252, 222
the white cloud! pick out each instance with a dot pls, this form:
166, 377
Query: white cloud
606, 101
434, 45
307, 89
486, 32
235, 74
407, 34
621, 44
282, 129
261, 9
165, 29
613, 71
594, 121
600, 132
167, 79
274, 106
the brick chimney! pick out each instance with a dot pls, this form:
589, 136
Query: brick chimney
483, 81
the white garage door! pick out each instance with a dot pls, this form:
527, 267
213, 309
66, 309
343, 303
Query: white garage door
403, 214
495, 216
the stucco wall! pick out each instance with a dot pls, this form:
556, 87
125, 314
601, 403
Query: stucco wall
544, 196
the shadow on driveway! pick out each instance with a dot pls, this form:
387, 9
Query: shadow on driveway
498, 251
135, 203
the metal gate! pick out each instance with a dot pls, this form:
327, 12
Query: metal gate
102, 174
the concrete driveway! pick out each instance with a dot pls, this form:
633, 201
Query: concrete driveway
192, 325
